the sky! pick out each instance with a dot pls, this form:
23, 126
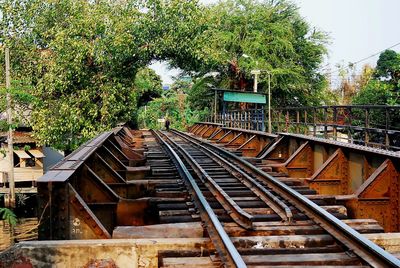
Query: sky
357, 30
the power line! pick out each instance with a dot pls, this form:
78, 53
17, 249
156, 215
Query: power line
351, 64
357, 62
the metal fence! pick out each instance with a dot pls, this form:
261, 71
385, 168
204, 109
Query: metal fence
253, 119
370, 125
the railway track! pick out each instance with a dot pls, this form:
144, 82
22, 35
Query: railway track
255, 220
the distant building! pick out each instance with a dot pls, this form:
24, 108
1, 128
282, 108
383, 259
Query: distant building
28, 159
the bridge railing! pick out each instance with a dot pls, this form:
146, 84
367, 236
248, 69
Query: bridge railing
370, 125
253, 119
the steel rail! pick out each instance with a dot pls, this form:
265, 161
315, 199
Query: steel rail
259, 190
224, 246
240, 216
364, 248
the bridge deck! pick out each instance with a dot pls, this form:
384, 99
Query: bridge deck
128, 184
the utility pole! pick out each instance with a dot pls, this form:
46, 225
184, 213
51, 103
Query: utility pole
145, 116
215, 105
256, 73
269, 104
11, 183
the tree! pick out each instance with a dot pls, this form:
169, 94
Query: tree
275, 37
182, 109
376, 93
79, 69
201, 94
169, 107
388, 67
380, 86
147, 86
181, 85
352, 84
381, 89
78, 59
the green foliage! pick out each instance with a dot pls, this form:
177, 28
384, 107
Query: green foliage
377, 93
163, 107
147, 85
326, 97
181, 85
3, 125
78, 59
179, 108
388, 67
201, 94
383, 89
175, 30
8, 215
277, 40
79, 64
21, 101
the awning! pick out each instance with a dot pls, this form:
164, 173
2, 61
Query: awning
36, 153
22, 154
248, 97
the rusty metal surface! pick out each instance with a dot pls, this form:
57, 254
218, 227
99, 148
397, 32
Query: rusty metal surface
225, 246
256, 132
360, 148
249, 143
241, 217
126, 178
315, 139
259, 190
336, 168
367, 250
77, 196
65, 168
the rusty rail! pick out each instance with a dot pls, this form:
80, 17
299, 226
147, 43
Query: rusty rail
221, 240
238, 215
270, 199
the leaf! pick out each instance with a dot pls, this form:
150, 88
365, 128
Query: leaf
9, 216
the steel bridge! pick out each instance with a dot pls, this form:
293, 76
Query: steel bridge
217, 196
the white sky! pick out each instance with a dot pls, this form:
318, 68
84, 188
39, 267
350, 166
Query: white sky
357, 28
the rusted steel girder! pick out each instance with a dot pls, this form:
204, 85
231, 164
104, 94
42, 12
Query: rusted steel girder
378, 197
329, 176
368, 176
249, 143
89, 192
365, 179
